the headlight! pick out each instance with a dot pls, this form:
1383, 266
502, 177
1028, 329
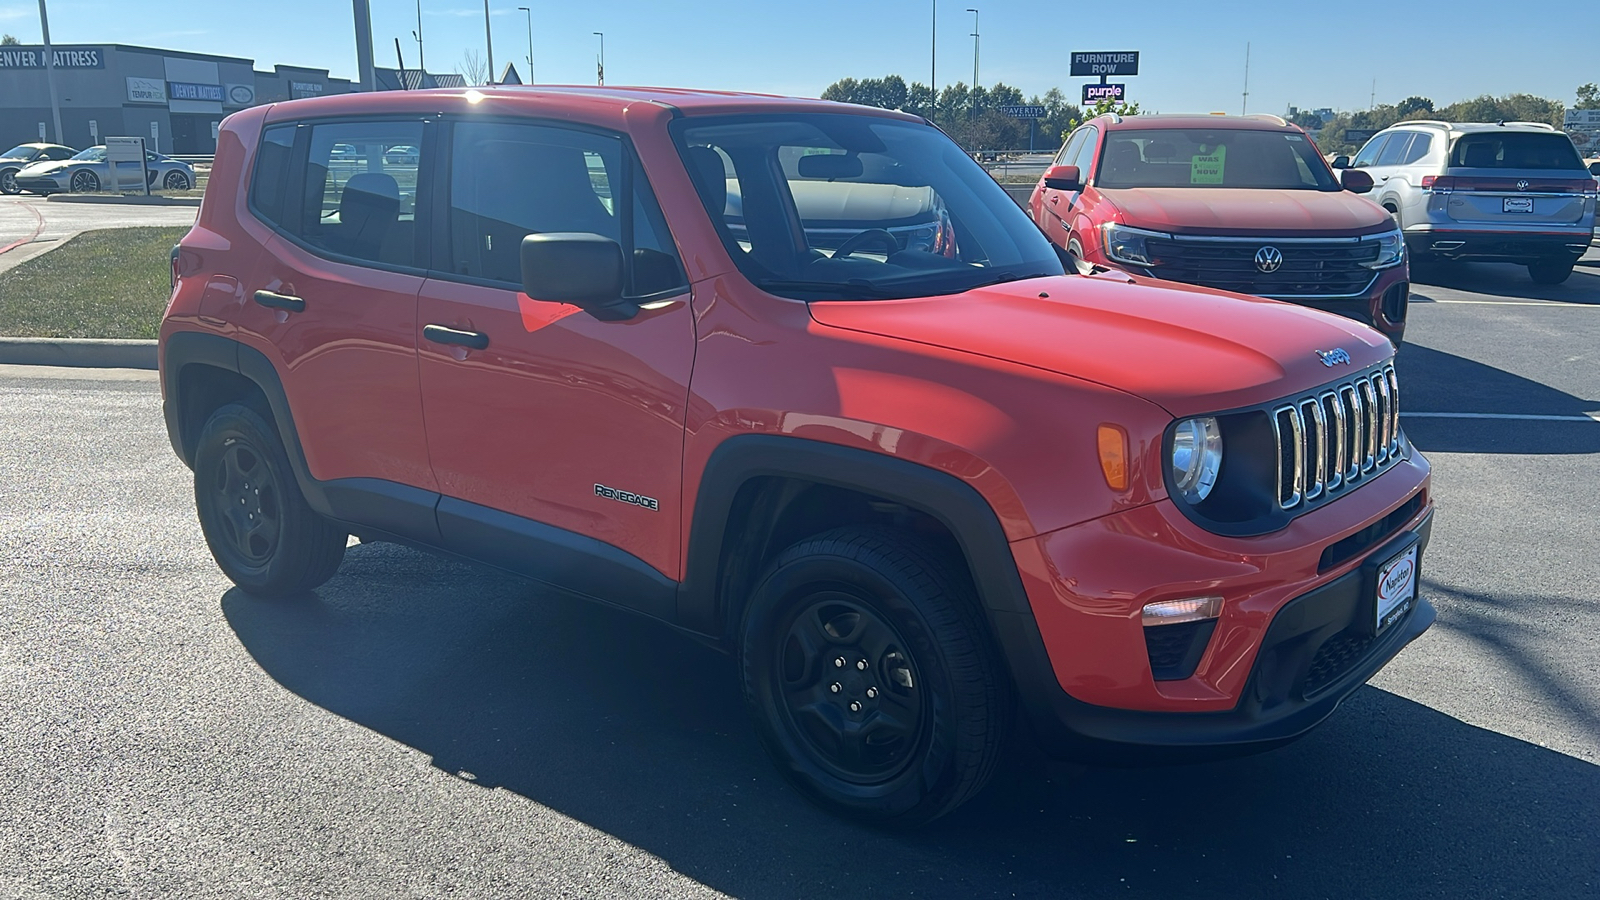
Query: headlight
1391, 249
1127, 245
1196, 457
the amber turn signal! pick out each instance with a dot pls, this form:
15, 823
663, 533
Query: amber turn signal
1114, 456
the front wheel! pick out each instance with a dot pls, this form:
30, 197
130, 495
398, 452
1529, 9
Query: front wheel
85, 181
870, 676
1550, 271
261, 532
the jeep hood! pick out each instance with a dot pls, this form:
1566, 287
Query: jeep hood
1190, 350
1247, 212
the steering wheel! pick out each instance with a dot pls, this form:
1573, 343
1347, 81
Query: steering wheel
872, 235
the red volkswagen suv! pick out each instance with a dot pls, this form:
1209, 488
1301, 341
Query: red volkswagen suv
1240, 203
911, 483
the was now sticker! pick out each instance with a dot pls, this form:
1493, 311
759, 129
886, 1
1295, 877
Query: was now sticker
1206, 168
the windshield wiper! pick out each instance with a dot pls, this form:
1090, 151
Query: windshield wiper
1003, 277
855, 289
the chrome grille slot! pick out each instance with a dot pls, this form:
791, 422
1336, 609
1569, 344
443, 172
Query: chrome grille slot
1330, 440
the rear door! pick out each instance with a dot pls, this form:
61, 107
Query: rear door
545, 424
1516, 180
333, 304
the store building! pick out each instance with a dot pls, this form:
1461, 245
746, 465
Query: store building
175, 100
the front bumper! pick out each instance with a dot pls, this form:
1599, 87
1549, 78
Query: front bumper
1286, 651
43, 184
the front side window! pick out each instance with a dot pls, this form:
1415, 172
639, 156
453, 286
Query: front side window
359, 198
857, 207
508, 181
1212, 158
1083, 157
1516, 150
1070, 148
1369, 153
57, 153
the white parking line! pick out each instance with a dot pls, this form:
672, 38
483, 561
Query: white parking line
1585, 417
1548, 303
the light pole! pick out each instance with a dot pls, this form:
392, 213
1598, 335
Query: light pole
974, 61
50, 71
530, 41
363, 13
933, 56
422, 65
600, 71
488, 39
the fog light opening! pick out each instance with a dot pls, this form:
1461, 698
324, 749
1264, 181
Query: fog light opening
1174, 612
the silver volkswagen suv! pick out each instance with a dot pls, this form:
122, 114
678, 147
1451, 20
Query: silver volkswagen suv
1510, 192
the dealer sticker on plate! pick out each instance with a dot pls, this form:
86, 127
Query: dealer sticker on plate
1519, 204
1397, 585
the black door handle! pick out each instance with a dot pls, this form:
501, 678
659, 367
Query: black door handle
280, 301
439, 334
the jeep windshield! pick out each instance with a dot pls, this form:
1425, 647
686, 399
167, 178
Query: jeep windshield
861, 207
1212, 158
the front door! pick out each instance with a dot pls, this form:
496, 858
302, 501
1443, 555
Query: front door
547, 426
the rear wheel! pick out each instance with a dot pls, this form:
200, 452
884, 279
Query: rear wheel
1550, 271
8, 182
870, 677
261, 532
176, 181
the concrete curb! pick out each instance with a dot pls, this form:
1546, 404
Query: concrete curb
94, 353
126, 199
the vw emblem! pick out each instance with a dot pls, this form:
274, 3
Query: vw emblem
1334, 357
1268, 259
1522, 185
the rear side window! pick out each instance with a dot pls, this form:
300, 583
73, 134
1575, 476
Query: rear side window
360, 193
269, 188
1370, 152
1420, 145
1395, 149
508, 181
1516, 150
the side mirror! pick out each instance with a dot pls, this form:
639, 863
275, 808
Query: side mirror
1341, 162
582, 269
1355, 181
1062, 178
1594, 168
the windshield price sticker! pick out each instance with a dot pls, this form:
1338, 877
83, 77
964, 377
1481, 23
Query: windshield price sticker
1207, 168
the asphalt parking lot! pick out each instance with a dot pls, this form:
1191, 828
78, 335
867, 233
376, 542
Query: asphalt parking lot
422, 728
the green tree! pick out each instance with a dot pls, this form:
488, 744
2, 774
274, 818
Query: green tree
10, 40
1588, 96
971, 116
1413, 105
1307, 119
1101, 107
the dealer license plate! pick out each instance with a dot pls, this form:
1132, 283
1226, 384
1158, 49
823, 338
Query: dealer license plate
1519, 204
1397, 587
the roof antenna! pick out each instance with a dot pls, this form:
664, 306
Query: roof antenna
402, 61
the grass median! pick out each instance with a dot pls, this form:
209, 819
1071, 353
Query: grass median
100, 284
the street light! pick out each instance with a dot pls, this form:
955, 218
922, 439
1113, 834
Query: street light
50, 71
933, 54
974, 61
530, 41
488, 39
600, 72
422, 65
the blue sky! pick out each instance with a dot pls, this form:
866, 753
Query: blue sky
1193, 52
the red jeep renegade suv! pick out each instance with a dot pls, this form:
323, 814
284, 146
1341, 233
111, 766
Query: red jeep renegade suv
913, 484
1240, 203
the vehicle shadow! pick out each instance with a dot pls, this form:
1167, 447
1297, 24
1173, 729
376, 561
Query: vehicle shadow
1435, 381
638, 731
1445, 281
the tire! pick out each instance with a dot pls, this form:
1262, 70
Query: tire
1075, 250
873, 617
8, 182
261, 532
84, 182
175, 181
1550, 271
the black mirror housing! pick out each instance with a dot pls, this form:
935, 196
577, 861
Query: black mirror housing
1594, 168
1341, 162
585, 270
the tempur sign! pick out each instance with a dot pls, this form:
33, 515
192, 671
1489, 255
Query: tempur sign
146, 90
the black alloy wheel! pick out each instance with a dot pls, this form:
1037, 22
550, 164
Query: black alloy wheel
261, 531
871, 678
849, 688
